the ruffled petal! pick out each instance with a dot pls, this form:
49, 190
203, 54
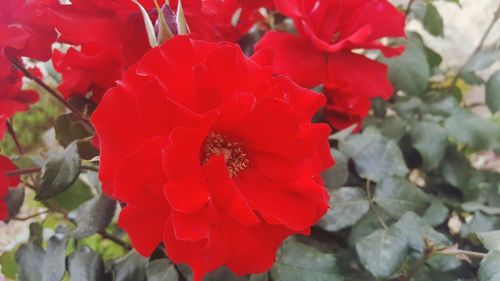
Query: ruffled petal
225, 193
296, 57
144, 227
364, 77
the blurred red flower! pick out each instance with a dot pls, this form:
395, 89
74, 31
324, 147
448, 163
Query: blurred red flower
24, 32
6, 182
12, 98
213, 155
328, 31
222, 20
93, 68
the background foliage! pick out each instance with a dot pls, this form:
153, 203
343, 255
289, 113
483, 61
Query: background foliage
408, 202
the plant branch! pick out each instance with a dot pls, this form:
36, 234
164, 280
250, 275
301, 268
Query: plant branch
408, 7
53, 93
35, 170
25, 171
32, 216
115, 239
12, 133
478, 48
458, 252
89, 168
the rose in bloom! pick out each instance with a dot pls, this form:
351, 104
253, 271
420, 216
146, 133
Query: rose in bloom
24, 32
328, 31
12, 98
213, 155
6, 182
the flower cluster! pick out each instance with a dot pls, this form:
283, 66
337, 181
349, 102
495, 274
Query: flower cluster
24, 32
212, 152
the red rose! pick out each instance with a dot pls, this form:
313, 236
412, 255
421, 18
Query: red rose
24, 32
213, 155
6, 182
12, 98
328, 31
222, 20
94, 68
112, 36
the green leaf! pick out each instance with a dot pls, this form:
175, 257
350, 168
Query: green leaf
470, 129
72, 198
161, 270
433, 22
455, 168
30, 256
437, 213
68, 129
493, 92
29, 260
489, 269
259, 277
430, 140
59, 173
8, 264
443, 262
347, 206
480, 223
14, 200
415, 230
471, 78
382, 252
481, 60
410, 71
130, 267
490, 240
433, 58
54, 265
342, 135
300, 262
375, 157
337, 175
397, 196
94, 216
367, 225
86, 265
223, 273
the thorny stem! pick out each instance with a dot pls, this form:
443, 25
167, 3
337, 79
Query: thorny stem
53, 93
12, 133
478, 48
373, 207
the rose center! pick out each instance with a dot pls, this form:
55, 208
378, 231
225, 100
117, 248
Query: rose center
233, 152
